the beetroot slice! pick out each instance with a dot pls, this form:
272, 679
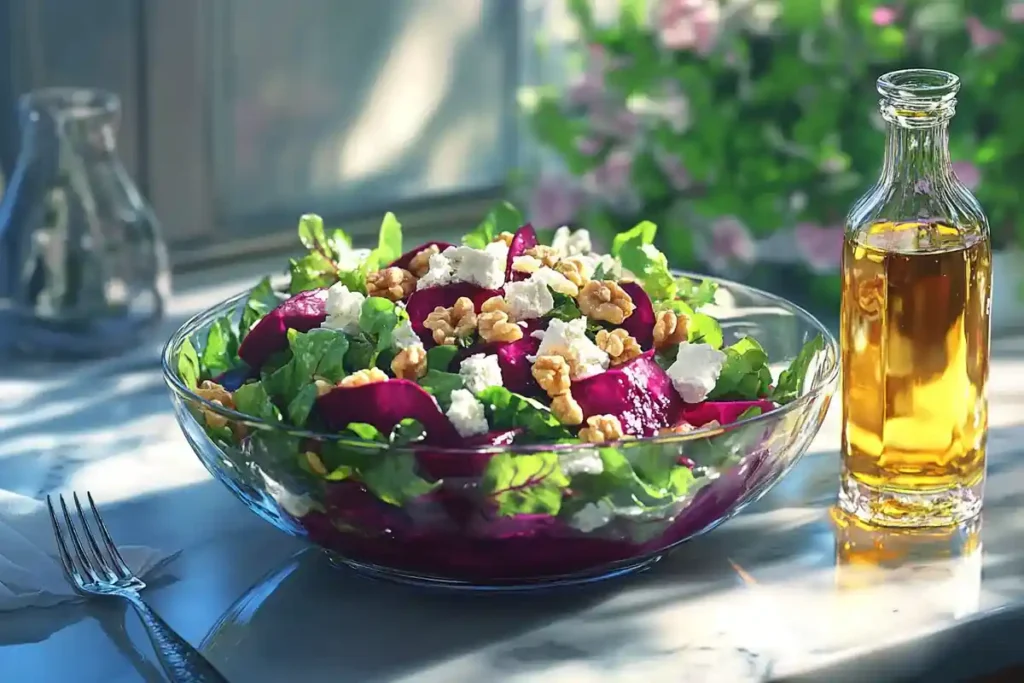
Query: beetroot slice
639, 393
640, 324
516, 370
404, 260
302, 312
384, 405
422, 302
525, 238
444, 464
725, 412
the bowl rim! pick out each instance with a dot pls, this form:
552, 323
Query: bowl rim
825, 383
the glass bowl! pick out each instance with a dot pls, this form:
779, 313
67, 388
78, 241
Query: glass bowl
454, 535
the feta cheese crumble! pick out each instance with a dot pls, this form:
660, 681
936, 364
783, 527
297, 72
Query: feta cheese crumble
586, 461
404, 336
593, 516
569, 339
480, 371
608, 263
695, 371
528, 299
343, 307
482, 267
555, 280
439, 272
571, 243
467, 414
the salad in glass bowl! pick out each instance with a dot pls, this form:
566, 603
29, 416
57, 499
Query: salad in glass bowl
509, 411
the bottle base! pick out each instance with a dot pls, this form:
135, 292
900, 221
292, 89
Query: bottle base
889, 508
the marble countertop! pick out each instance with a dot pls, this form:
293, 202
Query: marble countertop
781, 592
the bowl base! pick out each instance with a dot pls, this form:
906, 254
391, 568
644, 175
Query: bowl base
498, 586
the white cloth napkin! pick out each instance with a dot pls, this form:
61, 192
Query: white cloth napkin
30, 569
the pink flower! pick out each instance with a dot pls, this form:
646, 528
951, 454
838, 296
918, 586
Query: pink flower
613, 178
588, 145
1015, 12
821, 248
730, 243
676, 174
589, 88
555, 202
967, 173
615, 122
688, 24
884, 16
982, 37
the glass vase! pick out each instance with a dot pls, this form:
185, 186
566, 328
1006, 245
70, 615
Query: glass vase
914, 327
83, 267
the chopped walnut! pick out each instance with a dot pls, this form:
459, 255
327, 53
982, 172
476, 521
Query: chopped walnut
315, 463
681, 428
526, 264
620, 346
547, 255
573, 269
420, 263
505, 237
363, 377
410, 362
448, 325
495, 303
605, 300
391, 283
215, 393
566, 409
552, 374
495, 326
669, 328
602, 428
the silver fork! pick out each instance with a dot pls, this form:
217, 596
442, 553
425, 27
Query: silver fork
91, 571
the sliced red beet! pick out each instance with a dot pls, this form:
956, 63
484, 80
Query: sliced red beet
516, 370
639, 393
302, 312
640, 324
384, 405
725, 412
446, 464
525, 238
422, 303
404, 260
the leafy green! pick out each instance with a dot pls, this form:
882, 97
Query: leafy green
745, 374
362, 353
696, 295
525, 484
701, 328
188, 364
364, 431
640, 234
440, 385
220, 352
299, 407
378, 318
752, 411
502, 218
441, 357
638, 254
317, 354
791, 380
565, 307
261, 301
406, 432
507, 410
318, 268
252, 399
392, 478
389, 242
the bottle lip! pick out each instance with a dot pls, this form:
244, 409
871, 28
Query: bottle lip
919, 84
71, 103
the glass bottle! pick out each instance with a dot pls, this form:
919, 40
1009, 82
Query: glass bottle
83, 268
915, 323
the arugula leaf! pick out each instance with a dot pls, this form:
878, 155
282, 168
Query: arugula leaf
638, 254
791, 380
640, 234
389, 242
703, 329
364, 431
252, 399
504, 217
745, 374
565, 307
441, 357
261, 301
696, 295
525, 484
311, 233
300, 406
659, 467
319, 353
752, 411
188, 364
406, 432
441, 385
507, 410
377, 319
393, 479
220, 353
312, 271
361, 355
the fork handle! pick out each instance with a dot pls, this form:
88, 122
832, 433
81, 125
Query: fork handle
181, 662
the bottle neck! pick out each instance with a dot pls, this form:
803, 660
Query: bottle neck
917, 154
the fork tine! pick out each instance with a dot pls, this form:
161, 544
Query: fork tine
103, 564
119, 563
70, 571
79, 550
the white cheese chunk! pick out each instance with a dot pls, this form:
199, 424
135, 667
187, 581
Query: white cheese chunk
555, 280
528, 299
586, 461
404, 336
467, 414
439, 272
480, 371
343, 307
695, 371
482, 267
569, 339
593, 516
571, 243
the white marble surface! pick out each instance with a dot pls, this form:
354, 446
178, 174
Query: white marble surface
762, 598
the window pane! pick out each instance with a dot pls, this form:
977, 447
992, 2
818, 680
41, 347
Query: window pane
351, 105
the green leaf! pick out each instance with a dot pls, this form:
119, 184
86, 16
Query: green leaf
389, 242
791, 380
745, 374
311, 233
407, 431
639, 235
220, 353
313, 271
659, 467
188, 364
507, 410
319, 353
696, 295
393, 479
703, 329
252, 399
361, 353
504, 217
638, 255
300, 406
752, 411
441, 385
364, 431
441, 357
378, 319
565, 308
261, 301
525, 484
